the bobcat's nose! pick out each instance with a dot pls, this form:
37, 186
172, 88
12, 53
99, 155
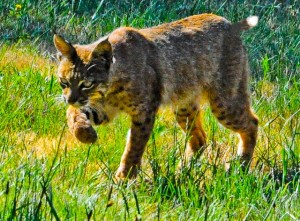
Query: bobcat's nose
71, 100
76, 101
75, 104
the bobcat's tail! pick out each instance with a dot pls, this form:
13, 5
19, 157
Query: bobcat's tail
245, 24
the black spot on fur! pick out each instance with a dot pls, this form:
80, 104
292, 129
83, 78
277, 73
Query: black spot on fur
185, 115
118, 90
148, 120
216, 99
221, 117
235, 127
96, 117
137, 124
87, 114
254, 121
146, 136
220, 105
237, 121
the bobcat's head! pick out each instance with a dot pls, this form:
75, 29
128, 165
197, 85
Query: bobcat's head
83, 70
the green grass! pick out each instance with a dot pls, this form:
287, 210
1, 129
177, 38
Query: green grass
47, 175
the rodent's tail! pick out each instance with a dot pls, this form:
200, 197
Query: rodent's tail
245, 24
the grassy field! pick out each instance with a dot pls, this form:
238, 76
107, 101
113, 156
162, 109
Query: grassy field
45, 174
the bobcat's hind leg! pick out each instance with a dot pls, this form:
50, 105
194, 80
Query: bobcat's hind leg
236, 115
189, 119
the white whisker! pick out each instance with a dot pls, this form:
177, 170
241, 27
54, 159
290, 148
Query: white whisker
91, 66
59, 99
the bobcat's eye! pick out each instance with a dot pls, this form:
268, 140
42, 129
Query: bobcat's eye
64, 83
86, 85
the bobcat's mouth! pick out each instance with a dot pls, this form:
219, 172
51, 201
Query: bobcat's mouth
78, 104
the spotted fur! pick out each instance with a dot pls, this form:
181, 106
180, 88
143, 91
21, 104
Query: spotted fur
138, 70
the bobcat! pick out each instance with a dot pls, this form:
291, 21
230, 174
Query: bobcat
177, 63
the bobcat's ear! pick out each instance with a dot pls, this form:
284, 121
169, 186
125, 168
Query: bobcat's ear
102, 50
64, 48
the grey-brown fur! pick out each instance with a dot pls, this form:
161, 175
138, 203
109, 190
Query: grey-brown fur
174, 64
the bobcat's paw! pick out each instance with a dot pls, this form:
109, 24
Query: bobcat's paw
124, 172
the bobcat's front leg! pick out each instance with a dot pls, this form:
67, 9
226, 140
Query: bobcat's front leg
80, 126
137, 138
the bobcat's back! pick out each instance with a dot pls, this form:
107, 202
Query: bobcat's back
187, 56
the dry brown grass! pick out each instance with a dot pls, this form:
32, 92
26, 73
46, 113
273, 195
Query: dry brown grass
17, 58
